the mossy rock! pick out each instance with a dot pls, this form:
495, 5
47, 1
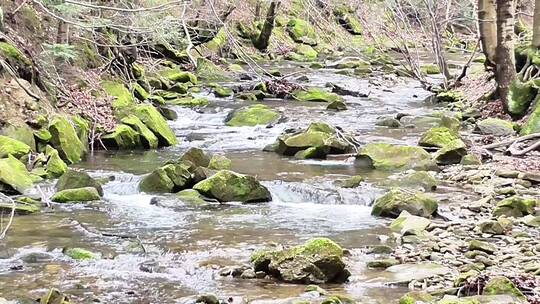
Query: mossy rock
413, 180
82, 128
209, 71
54, 296
43, 136
337, 105
169, 178
139, 92
382, 263
414, 297
84, 194
80, 254
318, 261
14, 55
20, 208
77, 179
452, 153
65, 140
515, 206
451, 96
55, 167
520, 97
22, 133
117, 89
351, 182
176, 75
301, 31
350, 63
219, 162
396, 201
350, 23
408, 224
197, 157
532, 125
229, 186
219, 41
193, 197
313, 153
430, 69
316, 95
303, 53
503, 286
147, 138
253, 115
14, 175
439, 137
189, 102
495, 126
151, 117
220, 91
471, 160
123, 137
386, 156
16, 148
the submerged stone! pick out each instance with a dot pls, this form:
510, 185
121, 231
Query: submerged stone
84, 194
229, 186
396, 201
258, 114
395, 157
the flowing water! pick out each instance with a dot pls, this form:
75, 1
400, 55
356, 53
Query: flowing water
184, 246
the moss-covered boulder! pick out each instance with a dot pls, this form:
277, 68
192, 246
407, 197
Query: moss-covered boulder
229, 186
79, 254
84, 194
65, 140
430, 69
351, 23
439, 137
495, 126
22, 133
9, 146
122, 96
520, 97
197, 157
450, 154
151, 117
395, 157
209, 71
14, 177
407, 224
316, 95
302, 53
319, 152
147, 137
219, 162
169, 178
337, 105
21, 208
55, 166
301, 31
351, 182
82, 128
123, 137
414, 297
189, 101
503, 286
253, 115
77, 179
532, 125
396, 201
413, 180
317, 261
349, 63
515, 206
176, 75
220, 91
451, 96
471, 160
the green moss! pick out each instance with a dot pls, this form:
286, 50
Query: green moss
55, 167
515, 206
123, 97
439, 137
503, 286
11, 52
228, 186
139, 91
430, 69
76, 195
316, 95
415, 296
220, 91
219, 162
520, 97
218, 42
123, 137
176, 75
147, 137
301, 31
395, 157
65, 140
533, 122
14, 174
303, 53
150, 116
9, 146
189, 102
80, 254
209, 71
450, 96
253, 115
396, 200
351, 182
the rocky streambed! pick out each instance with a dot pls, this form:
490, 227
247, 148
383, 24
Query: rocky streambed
329, 176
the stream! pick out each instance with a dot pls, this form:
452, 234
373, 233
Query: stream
186, 245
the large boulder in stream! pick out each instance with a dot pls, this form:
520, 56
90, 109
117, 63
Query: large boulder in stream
14, 177
439, 137
77, 179
84, 194
229, 186
318, 261
397, 200
123, 137
169, 178
250, 116
65, 140
301, 31
386, 156
151, 117
147, 137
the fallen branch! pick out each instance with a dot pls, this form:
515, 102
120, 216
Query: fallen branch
509, 142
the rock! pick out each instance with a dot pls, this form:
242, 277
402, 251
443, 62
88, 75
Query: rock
176, 75
420, 271
65, 140
495, 126
23, 133
407, 224
54, 296
9, 146
122, 96
415, 297
464, 277
440, 137
80, 254
470, 160
21, 208
229, 186
430, 69
77, 179
387, 121
248, 274
123, 137
169, 178
520, 97
317, 261
301, 31
338, 299
451, 96
85, 194
491, 227
147, 137
382, 264
219, 162
515, 206
193, 197
189, 102
316, 288
532, 125
302, 53
82, 128
207, 299
349, 63
482, 246
55, 167
196, 156
220, 91
151, 117
337, 105
414, 180
14, 175
397, 200
451, 154
139, 92
503, 286
209, 71
168, 113
498, 299
351, 182
531, 220
316, 95
394, 157
313, 153
258, 114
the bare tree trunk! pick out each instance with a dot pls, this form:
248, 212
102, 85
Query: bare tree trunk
505, 57
258, 10
263, 40
536, 25
61, 32
487, 15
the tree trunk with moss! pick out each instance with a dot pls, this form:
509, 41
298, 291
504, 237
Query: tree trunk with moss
262, 41
536, 25
487, 15
505, 57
